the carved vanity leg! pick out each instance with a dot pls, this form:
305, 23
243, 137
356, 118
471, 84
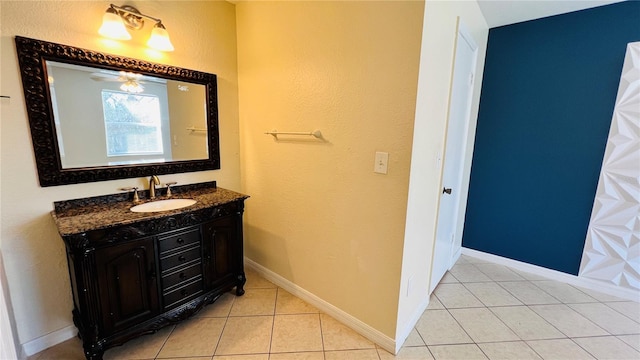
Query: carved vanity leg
97, 356
94, 353
239, 286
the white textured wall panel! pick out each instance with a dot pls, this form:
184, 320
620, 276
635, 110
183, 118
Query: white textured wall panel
612, 248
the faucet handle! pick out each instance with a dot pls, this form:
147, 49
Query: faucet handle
169, 184
135, 192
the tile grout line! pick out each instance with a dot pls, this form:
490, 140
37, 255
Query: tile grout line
324, 354
500, 319
536, 287
585, 350
601, 336
457, 322
226, 319
605, 305
165, 342
566, 336
421, 338
485, 306
273, 322
520, 339
619, 312
550, 294
532, 349
491, 312
497, 284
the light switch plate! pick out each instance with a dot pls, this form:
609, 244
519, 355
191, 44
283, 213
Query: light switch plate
381, 162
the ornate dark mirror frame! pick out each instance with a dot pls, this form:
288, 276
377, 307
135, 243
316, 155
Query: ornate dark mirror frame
32, 57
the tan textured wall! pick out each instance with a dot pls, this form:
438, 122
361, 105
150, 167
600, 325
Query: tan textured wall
318, 215
203, 34
187, 109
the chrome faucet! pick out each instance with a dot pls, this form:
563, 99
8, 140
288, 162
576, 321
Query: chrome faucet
153, 181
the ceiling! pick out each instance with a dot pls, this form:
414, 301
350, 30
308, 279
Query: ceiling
505, 12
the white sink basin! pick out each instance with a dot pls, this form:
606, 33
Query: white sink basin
163, 205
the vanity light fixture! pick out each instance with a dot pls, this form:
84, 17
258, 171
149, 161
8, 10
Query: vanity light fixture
117, 19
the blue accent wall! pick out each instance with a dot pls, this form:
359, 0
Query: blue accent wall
547, 100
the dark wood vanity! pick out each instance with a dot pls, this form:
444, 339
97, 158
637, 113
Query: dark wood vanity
134, 273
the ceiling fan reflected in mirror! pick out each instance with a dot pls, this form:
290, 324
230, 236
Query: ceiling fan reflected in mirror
131, 82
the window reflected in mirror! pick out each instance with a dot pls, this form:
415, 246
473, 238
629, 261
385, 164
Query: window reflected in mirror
133, 126
105, 117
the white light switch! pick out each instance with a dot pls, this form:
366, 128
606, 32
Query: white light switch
381, 162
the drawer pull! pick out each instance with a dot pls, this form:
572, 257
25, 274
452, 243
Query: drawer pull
180, 240
184, 292
182, 276
181, 258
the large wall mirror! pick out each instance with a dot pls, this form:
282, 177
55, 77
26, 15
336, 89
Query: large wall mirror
95, 116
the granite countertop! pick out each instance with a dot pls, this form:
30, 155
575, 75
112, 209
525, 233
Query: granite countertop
101, 212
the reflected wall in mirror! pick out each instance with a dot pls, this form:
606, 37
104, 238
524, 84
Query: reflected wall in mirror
95, 116
106, 117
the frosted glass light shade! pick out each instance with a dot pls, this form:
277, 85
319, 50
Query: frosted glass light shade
132, 86
113, 27
159, 39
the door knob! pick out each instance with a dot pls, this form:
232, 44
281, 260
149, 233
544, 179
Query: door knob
446, 191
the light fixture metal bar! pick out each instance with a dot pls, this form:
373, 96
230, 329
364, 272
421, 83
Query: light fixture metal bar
132, 11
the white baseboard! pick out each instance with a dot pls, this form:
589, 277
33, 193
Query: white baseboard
350, 321
455, 257
583, 282
401, 336
44, 342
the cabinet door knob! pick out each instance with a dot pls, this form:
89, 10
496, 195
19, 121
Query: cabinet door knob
181, 258
181, 276
180, 240
183, 292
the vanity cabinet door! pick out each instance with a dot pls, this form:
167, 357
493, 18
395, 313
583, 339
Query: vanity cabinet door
221, 250
127, 283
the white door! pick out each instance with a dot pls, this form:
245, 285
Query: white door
457, 127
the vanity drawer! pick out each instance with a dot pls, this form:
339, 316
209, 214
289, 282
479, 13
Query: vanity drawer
175, 241
181, 294
180, 258
180, 276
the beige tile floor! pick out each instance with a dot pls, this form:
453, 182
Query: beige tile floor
480, 310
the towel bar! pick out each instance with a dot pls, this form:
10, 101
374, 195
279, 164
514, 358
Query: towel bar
275, 133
